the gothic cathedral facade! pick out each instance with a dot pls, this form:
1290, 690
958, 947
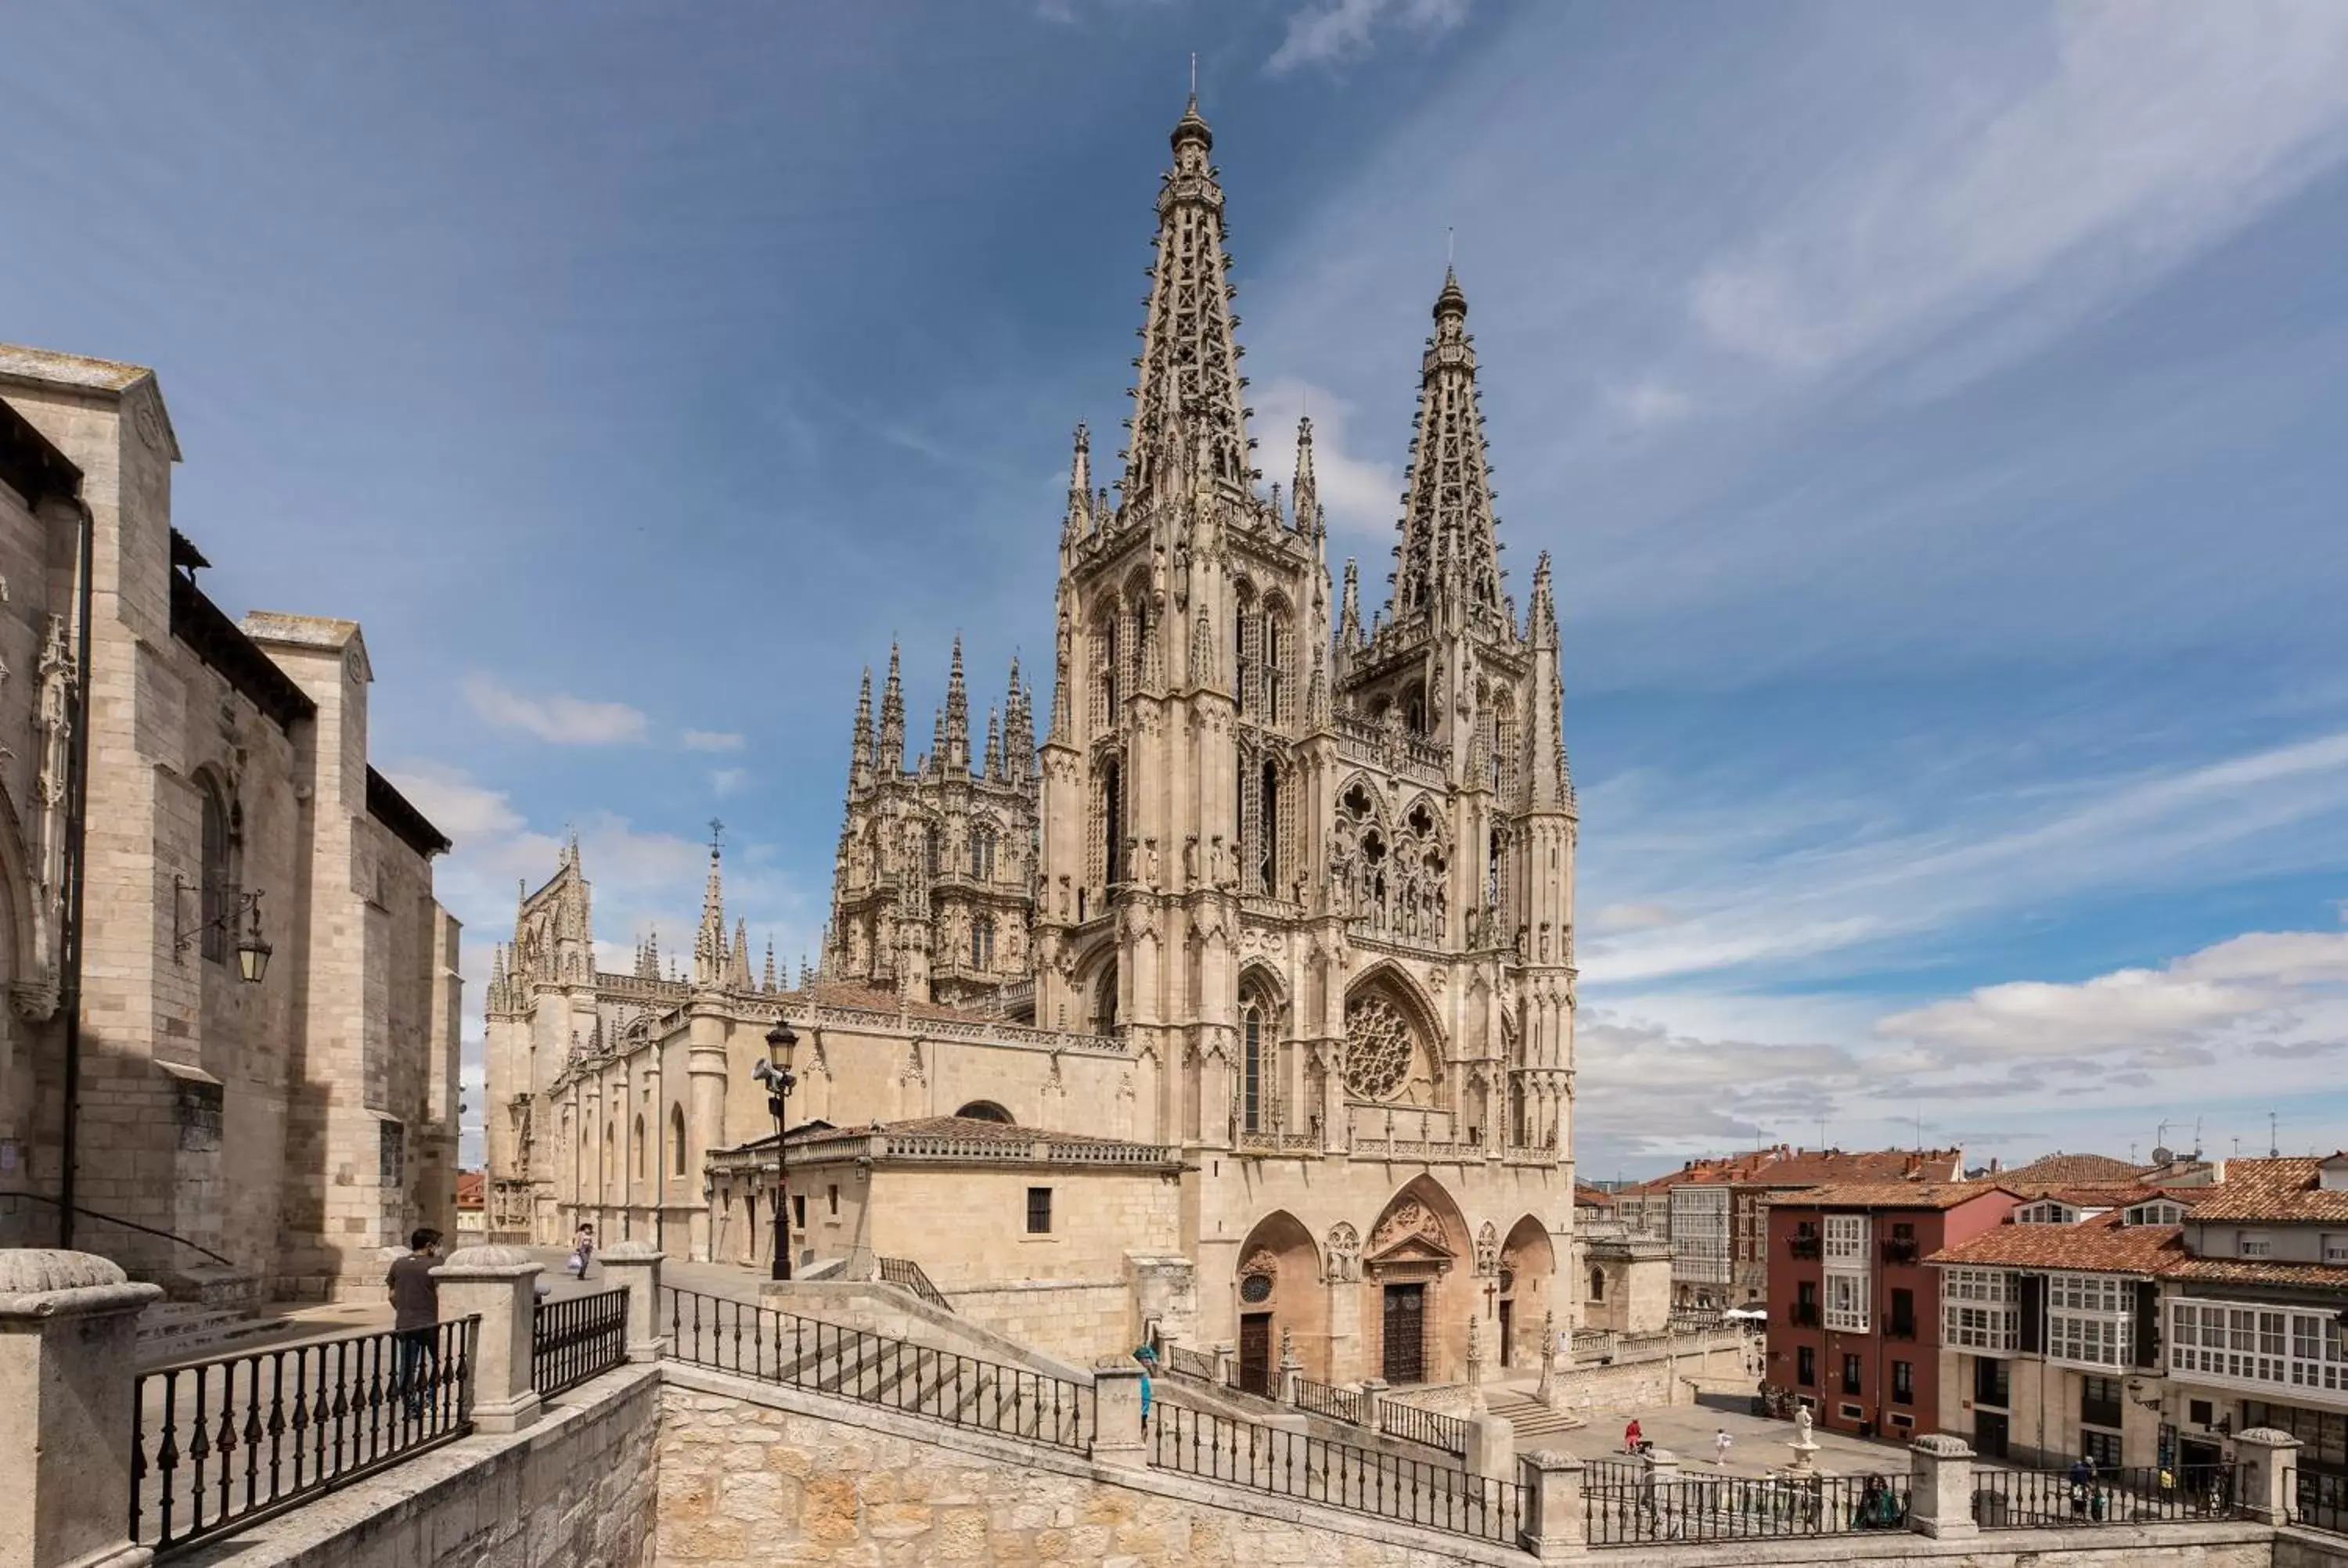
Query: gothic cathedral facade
1284, 899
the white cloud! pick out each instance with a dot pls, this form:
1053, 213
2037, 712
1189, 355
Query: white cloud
458, 807
1649, 402
726, 780
1342, 30
1358, 495
564, 721
2158, 127
1627, 918
712, 741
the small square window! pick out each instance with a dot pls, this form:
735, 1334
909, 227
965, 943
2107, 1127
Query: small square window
1850, 1374
1039, 1210
2256, 1246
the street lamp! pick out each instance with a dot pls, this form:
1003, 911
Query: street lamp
252, 949
775, 1073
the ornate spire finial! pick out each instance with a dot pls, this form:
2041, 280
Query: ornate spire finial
1080, 520
1305, 492
892, 717
1188, 415
1349, 614
861, 742
770, 965
955, 757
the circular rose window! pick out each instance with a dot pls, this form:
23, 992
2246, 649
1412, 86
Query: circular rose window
1377, 1049
1255, 1288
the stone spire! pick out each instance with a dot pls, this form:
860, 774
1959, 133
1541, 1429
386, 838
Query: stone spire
1080, 520
709, 941
1306, 492
770, 965
1349, 613
496, 978
1188, 388
1018, 728
893, 720
737, 967
1447, 552
650, 967
1549, 782
993, 745
861, 742
954, 750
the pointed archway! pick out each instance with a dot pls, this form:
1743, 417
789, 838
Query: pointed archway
1419, 1284
1527, 1296
1278, 1292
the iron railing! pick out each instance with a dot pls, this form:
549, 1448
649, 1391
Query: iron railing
1327, 1399
2321, 1502
874, 1369
1186, 1363
1732, 1508
1431, 1427
1607, 1475
907, 1274
1338, 1475
218, 1443
577, 1337
2053, 1499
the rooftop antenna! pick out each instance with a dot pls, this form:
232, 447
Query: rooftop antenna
2197, 1137
1450, 246
1194, 74
716, 834
2237, 1147
2272, 1148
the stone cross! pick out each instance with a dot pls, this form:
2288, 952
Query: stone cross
1475, 1366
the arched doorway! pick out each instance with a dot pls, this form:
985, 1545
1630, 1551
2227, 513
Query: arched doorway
1528, 1270
1280, 1296
1419, 1287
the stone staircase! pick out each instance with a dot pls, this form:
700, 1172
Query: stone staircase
176, 1331
1530, 1416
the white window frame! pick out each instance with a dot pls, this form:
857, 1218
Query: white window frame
2045, 1212
1846, 1298
2159, 1212
2091, 1320
2335, 1248
1846, 1241
1980, 1310
2251, 1245
2259, 1344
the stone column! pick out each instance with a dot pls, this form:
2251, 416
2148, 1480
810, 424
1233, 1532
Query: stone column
2266, 1478
1491, 1446
1223, 1354
1283, 1382
1373, 1394
1554, 1527
636, 1264
495, 1283
1117, 1437
1940, 1487
69, 1353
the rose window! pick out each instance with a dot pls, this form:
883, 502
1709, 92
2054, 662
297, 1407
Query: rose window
1377, 1049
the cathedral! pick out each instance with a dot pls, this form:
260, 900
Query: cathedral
1238, 1008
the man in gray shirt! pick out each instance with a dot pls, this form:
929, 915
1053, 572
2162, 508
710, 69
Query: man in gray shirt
416, 1315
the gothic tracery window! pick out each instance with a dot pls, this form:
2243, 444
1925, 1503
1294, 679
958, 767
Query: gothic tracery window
215, 887
1377, 1048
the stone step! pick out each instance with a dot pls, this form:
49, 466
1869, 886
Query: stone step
1533, 1419
175, 1331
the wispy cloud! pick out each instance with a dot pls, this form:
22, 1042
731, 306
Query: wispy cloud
726, 781
565, 720
1648, 403
1346, 30
712, 741
1360, 495
2158, 127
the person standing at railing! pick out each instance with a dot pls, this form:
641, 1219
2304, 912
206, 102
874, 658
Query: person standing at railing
415, 1314
1149, 1359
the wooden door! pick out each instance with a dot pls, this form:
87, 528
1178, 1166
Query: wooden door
1405, 1334
1255, 1353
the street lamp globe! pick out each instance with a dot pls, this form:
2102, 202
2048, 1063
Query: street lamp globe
782, 1040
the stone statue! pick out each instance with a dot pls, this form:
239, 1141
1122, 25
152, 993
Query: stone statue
1801, 1425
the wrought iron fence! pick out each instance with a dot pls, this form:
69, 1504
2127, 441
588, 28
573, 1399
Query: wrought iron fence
1732, 1508
2056, 1500
1601, 1475
1339, 1475
1432, 1427
874, 1369
577, 1337
1326, 1400
2321, 1502
1186, 1363
907, 1274
218, 1443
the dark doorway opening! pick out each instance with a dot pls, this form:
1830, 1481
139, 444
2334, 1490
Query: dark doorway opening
1404, 1335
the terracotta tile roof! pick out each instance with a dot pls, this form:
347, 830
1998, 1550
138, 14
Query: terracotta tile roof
1821, 1167
470, 1185
1587, 1197
2281, 1189
2095, 1197
1888, 1195
2100, 1246
2074, 1171
964, 1129
2255, 1271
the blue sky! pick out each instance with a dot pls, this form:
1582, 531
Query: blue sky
1934, 412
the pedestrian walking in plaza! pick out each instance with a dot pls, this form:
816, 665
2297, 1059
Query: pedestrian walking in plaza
583, 1252
1630, 1437
416, 1315
1720, 1442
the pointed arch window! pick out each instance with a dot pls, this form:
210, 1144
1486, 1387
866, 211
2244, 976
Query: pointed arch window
982, 942
1104, 1001
1252, 1047
218, 876
982, 852
637, 1150
1268, 830
1597, 1285
1276, 665
1112, 817
677, 1154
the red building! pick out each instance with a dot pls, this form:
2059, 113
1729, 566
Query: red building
1854, 1315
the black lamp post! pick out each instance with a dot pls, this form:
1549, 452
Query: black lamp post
775, 1073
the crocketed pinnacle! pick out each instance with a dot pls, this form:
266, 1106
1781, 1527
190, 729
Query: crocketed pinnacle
1080, 520
1448, 551
954, 753
892, 718
1349, 613
1188, 416
1305, 493
1548, 779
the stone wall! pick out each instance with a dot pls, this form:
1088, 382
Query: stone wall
1636, 1383
2309, 1549
1079, 1319
575, 1490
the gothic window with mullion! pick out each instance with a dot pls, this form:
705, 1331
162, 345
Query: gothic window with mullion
1255, 1111
218, 874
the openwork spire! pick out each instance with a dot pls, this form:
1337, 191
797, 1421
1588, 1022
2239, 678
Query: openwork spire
1188, 417
1349, 612
1079, 521
1447, 550
955, 748
709, 941
1306, 492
